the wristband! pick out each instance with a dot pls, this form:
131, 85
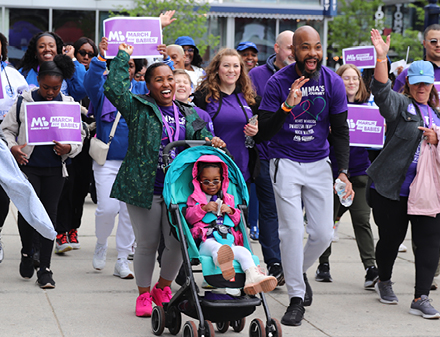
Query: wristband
380, 61
289, 106
285, 108
100, 58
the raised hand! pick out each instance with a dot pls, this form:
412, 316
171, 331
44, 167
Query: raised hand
167, 18
126, 47
295, 93
103, 46
379, 44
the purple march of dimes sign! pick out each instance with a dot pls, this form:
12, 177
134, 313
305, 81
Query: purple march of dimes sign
144, 34
367, 126
361, 57
49, 121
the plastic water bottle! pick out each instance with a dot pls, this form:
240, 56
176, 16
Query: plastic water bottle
340, 190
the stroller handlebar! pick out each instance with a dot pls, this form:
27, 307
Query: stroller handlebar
186, 144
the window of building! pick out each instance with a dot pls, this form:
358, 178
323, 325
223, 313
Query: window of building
23, 25
71, 25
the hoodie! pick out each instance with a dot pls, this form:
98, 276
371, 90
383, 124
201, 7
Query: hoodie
195, 213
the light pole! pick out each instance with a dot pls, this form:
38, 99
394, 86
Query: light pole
432, 11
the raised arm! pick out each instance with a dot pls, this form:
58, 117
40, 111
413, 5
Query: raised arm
382, 47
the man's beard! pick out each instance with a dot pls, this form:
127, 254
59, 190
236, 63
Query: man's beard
302, 68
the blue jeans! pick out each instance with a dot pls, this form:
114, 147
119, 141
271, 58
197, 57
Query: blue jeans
268, 218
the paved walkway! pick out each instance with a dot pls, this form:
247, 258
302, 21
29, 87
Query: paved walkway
86, 302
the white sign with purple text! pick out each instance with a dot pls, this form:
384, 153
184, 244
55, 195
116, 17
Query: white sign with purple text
361, 57
49, 121
367, 126
144, 34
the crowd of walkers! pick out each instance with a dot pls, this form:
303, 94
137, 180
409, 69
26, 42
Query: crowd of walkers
285, 124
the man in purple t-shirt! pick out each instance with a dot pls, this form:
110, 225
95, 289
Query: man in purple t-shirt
301, 103
267, 209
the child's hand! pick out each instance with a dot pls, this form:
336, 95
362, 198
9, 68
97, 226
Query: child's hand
210, 207
226, 209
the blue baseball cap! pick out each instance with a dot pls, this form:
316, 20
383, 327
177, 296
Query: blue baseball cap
246, 45
186, 41
420, 71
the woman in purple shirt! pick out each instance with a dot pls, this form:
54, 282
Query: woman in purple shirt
226, 94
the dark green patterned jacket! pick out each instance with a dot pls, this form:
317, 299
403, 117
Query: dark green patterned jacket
134, 183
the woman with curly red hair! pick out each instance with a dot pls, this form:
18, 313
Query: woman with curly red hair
227, 95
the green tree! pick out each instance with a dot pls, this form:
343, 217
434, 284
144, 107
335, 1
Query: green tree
352, 27
191, 20
410, 37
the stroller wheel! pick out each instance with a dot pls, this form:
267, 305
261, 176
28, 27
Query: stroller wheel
190, 329
238, 325
209, 329
256, 329
158, 320
222, 327
174, 319
274, 328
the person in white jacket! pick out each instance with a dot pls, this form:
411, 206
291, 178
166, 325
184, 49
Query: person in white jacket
12, 84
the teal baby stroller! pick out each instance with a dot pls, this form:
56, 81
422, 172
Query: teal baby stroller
225, 311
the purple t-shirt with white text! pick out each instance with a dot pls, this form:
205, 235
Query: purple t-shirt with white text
229, 126
303, 137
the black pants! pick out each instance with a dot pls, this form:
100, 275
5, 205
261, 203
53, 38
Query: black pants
48, 184
4, 206
392, 220
75, 190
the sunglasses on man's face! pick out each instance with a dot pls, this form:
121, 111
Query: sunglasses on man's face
83, 53
432, 42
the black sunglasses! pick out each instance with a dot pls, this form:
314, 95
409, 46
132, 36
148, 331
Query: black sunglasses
83, 53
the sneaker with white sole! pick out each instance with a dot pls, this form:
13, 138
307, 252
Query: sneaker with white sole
422, 307
402, 248
99, 256
122, 269
62, 244
371, 277
385, 291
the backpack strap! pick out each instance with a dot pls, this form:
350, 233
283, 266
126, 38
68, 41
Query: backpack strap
19, 101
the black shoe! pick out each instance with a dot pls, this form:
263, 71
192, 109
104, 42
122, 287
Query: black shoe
294, 313
323, 273
45, 280
371, 277
308, 296
26, 266
276, 271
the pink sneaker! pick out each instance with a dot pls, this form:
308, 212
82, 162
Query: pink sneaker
160, 296
143, 305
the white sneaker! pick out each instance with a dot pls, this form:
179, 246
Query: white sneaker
402, 248
99, 256
122, 269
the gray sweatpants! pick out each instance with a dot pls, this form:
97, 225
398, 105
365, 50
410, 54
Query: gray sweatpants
148, 224
311, 184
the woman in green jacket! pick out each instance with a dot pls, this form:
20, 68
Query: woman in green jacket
151, 120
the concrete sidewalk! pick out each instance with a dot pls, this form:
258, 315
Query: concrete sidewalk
86, 302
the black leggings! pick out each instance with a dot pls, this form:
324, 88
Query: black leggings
48, 184
392, 220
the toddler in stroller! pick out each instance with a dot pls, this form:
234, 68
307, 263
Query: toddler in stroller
214, 222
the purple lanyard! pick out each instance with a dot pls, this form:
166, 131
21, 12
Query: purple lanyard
167, 126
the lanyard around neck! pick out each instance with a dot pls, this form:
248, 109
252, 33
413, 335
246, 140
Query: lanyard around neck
168, 127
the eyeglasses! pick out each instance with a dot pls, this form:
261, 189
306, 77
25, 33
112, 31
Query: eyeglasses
348, 78
189, 50
139, 75
83, 53
432, 42
209, 182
